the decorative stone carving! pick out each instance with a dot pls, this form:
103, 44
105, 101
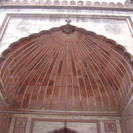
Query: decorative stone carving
110, 126
74, 54
68, 29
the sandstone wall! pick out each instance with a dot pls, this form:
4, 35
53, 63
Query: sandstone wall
17, 23
4, 119
127, 119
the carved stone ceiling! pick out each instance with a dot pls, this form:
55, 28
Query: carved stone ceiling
66, 68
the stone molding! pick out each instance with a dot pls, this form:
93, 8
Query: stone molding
66, 3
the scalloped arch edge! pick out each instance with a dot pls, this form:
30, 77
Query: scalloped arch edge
122, 49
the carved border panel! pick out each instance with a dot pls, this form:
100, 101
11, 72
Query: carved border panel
20, 125
110, 126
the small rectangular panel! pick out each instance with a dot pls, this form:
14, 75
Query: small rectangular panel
110, 126
20, 125
83, 127
46, 127
5, 120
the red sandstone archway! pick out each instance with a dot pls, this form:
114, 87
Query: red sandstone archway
66, 68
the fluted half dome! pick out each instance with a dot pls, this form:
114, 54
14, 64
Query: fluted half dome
66, 68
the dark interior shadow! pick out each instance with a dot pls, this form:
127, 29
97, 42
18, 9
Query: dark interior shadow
63, 130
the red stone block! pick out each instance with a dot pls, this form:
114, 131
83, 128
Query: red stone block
4, 123
127, 124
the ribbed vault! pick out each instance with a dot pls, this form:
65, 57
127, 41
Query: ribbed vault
66, 68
